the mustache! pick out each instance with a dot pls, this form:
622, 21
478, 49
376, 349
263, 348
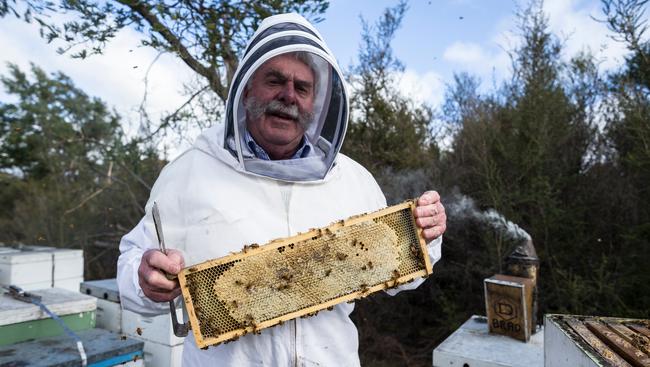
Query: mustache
256, 109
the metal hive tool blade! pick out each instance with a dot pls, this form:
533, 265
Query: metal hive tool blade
263, 286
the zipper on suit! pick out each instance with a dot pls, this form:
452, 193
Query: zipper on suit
294, 336
285, 191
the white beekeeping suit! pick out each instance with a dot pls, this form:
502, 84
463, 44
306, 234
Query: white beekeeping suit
218, 196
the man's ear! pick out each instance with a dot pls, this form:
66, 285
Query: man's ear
245, 94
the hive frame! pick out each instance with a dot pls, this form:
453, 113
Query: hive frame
204, 342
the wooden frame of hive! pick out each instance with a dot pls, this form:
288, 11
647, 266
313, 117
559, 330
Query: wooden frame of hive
596, 341
215, 319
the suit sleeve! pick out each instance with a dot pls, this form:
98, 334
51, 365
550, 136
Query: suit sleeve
143, 237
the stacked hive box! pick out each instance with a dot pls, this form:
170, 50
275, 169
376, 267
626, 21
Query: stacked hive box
102, 347
161, 347
592, 341
473, 345
20, 321
109, 311
28, 270
38, 267
67, 265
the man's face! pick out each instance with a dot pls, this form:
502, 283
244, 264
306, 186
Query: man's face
279, 103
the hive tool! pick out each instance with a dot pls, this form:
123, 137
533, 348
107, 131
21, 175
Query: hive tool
180, 330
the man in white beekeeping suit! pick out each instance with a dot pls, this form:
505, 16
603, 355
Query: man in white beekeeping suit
273, 169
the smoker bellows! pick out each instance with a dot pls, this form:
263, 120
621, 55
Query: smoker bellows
263, 286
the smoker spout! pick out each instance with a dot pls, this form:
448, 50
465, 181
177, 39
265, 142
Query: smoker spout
523, 262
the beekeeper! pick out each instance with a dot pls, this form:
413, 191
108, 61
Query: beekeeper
273, 169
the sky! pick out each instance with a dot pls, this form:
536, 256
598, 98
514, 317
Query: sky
437, 39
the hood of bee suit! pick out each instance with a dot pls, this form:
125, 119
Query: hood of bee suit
281, 34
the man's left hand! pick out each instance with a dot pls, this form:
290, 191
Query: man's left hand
430, 215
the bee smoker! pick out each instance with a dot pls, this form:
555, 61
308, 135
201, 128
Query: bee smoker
523, 262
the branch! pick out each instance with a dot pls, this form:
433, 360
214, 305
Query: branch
212, 74
166, 121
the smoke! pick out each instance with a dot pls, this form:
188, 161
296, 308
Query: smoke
459, 207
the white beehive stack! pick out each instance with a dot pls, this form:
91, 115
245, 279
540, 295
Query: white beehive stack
594, 341
67, 265
28, 270
473, 345
109, 310
161, 347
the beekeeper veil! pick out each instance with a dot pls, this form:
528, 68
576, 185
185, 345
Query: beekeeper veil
284, 34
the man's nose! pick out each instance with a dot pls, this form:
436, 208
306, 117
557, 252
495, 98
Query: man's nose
288, 93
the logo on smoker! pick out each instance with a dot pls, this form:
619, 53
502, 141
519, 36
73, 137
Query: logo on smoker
505, 311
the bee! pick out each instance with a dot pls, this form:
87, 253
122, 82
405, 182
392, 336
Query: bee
363, 267
138, 331
395, 277
250, 247
414, 250
214, 324
234, 304
249, 286
248, 320
341, 256
123, 337
328, 272
370, 264
238, 282
330, 308
256, 329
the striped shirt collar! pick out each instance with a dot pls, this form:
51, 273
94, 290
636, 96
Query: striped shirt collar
303, 151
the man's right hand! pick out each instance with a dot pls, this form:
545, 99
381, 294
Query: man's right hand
153, 281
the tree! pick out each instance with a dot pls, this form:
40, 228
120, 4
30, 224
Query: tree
628, 134
388, 133
530, 150
208, 36
69, 177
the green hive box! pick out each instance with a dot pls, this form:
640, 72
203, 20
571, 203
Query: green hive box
20, 321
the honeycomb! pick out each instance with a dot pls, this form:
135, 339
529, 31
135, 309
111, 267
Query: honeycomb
300, 275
